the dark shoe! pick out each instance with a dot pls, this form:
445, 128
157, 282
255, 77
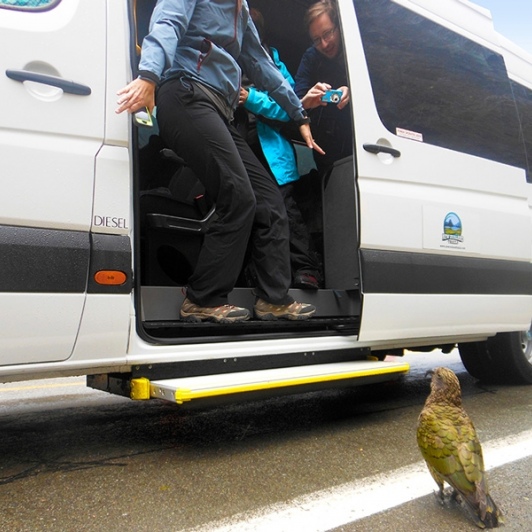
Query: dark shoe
306, 280
222, 314
293, 311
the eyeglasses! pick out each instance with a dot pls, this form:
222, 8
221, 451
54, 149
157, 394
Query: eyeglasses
325, 37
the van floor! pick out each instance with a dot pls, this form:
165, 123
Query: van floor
179, 329
338, 312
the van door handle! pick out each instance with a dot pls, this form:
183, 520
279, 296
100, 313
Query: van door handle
379, 148
70, 87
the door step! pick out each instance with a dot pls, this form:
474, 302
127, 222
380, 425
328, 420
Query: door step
291, 380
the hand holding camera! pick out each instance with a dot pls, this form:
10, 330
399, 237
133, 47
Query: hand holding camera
324, 94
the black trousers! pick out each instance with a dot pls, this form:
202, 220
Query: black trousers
248, 203
301, 256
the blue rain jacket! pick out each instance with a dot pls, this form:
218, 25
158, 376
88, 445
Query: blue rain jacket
212, 41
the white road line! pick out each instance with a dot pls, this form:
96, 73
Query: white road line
25, 387
326, 509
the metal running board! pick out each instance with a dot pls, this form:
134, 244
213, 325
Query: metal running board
184, 390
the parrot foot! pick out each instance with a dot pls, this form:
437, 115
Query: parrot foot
444, 496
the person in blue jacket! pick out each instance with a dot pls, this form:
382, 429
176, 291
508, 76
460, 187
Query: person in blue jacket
277, 153
322, 67
194, 55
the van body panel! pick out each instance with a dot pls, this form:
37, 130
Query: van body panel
68, 41
117, 71
112, 213
36, 260
42, 285
405, 202
410, 216
104, 329
392, 272
31, 332
49, 138
143, 352
403, 317
58, 178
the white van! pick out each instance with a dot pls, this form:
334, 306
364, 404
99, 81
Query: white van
425, 232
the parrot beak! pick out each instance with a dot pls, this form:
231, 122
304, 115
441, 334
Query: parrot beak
429, 374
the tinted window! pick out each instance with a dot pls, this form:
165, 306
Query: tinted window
523, 97
30, 5
431, 83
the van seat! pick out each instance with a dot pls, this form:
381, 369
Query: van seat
174, 215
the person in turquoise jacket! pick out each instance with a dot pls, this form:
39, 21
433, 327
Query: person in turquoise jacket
278, 153
277, 150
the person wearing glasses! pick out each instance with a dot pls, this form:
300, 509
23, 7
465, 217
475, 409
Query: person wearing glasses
322, 67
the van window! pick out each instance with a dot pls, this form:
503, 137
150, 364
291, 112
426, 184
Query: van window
29, 5
523, 97
437, 86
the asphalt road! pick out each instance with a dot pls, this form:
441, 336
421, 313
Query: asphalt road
75, 459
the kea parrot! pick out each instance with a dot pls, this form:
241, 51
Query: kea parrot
449, 444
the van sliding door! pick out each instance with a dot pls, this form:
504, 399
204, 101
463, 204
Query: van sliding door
444, 222
52, 79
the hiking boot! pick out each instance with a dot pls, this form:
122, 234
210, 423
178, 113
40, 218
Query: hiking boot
293, 311
222, 314
306, 280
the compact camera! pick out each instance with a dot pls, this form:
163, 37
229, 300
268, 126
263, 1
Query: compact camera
332, 96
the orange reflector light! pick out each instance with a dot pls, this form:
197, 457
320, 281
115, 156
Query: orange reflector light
110, 277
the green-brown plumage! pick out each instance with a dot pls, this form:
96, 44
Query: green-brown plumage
449, 444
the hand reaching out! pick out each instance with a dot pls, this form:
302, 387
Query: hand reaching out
307, 137
138, 94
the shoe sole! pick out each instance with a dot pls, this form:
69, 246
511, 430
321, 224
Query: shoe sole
194, 318
269, 316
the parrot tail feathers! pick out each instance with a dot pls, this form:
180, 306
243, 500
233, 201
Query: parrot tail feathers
490, 514
485, 513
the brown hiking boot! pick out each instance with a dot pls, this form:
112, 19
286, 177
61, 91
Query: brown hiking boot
222, 314
293, 311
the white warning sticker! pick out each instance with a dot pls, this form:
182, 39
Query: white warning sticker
407, 134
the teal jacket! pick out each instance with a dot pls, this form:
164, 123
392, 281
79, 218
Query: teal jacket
277, 150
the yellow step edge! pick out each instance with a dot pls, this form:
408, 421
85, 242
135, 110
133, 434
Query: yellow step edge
140, 389
183, 395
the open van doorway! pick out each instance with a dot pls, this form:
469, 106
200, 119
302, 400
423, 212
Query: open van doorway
173, 214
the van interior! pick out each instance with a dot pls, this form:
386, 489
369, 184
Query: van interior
173, 213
